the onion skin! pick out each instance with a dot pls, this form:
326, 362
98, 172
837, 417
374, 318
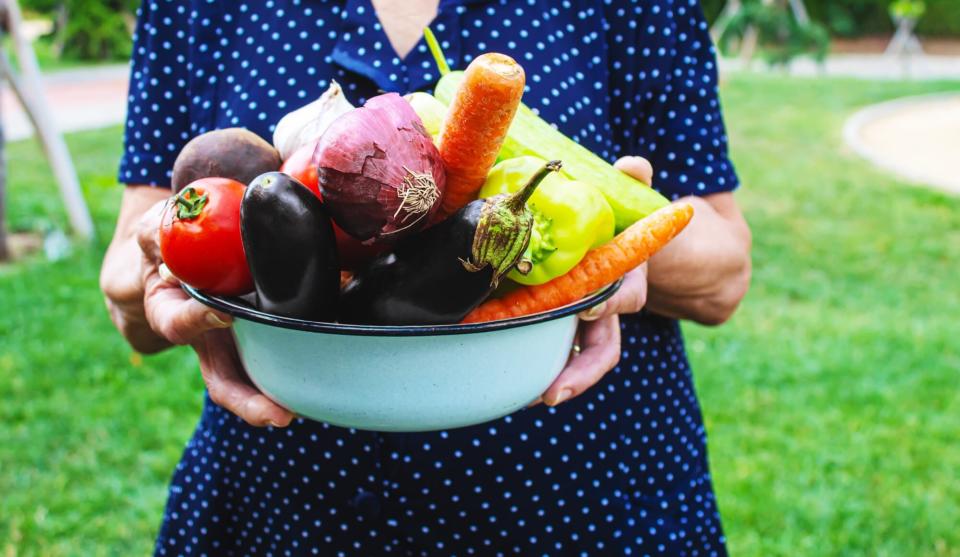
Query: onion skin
380, 174
302, 166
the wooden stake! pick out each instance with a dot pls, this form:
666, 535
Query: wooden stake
4, 248
28, 88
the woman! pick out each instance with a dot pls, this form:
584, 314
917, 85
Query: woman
614, 460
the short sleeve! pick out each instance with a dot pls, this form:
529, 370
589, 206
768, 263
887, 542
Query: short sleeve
683, 133
158, 116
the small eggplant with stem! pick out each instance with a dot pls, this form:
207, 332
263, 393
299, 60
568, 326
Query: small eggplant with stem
440, 275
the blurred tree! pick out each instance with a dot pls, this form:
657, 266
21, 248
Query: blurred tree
780, 31
89, 29
906, 14
97, 29
850, 18
941, 18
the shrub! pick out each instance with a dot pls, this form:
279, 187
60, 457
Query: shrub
779, 35
93, 29
850, 18
97, 30
942, 18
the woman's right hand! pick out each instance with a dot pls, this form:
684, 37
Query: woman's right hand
153, 312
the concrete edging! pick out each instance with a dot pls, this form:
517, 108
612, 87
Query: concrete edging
852, 137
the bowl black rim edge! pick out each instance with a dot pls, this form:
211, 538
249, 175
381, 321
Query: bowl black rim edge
242, 311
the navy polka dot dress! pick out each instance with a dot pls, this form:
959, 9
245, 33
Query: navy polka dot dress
621, 470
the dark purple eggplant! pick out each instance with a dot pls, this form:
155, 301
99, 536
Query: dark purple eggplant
440, 275
291, 249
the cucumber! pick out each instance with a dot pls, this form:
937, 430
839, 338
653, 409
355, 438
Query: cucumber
531, 135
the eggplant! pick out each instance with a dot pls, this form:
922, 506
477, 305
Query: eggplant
291, 249
438, 276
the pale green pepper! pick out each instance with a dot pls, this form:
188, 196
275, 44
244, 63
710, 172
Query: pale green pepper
570, 218
429, 109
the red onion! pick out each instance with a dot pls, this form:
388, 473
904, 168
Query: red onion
380, 174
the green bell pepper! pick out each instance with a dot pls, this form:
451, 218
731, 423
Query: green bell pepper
570, 218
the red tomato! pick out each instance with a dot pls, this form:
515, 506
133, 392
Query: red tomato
302, 165
200, 237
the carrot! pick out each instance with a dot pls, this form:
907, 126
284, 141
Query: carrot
600, 267
476, 125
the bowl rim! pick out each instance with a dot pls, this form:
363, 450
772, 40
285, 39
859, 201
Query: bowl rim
238, 308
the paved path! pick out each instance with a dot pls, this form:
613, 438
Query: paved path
917, 138
80, 99
867, 66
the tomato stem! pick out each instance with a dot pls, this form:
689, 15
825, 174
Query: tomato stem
189, 204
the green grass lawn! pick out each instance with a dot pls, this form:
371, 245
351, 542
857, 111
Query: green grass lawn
831, 398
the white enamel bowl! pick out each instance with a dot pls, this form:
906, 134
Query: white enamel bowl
416, 378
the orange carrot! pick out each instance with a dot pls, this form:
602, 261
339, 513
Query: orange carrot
600, 267
476, 125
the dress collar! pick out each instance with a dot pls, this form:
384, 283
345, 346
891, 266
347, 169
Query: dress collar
363, 47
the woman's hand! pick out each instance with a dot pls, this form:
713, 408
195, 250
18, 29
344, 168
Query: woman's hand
598, 340
153, 312
701, 275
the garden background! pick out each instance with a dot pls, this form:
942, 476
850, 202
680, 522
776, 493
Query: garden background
831, 397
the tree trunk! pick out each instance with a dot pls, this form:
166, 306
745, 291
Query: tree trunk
731, 8
60, 29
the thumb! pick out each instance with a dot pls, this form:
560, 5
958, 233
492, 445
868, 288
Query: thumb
182, 320
636, 167
148, 230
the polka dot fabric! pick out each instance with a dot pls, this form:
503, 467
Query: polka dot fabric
621, 470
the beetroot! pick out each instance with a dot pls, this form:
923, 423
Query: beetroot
381, 177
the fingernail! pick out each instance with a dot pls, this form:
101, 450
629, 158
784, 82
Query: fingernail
594, 313
214, 320
564, 395
165, 273
272, 423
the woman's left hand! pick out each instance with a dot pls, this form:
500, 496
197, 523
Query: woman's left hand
597, 344
701, 275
